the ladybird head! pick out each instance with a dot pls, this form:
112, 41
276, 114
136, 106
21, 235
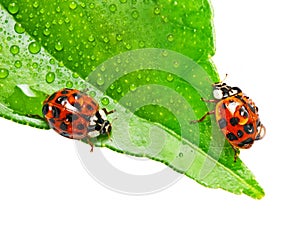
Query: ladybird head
222, 90
99, 125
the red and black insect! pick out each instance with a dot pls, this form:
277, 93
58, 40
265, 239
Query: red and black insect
236, 115
75, 115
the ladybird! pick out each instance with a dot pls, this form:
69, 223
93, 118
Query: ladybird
237, 117
75, 115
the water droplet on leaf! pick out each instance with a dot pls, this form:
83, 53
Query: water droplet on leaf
157, 10
14, 49
13, 7
19, 29
135, 14
3, 73
91, 38
73, 5
113, 8
34, 47
59, 46
170, 78
170, 37
105, 101
18, 64
69, 84
46, 32
50, 77
35, 4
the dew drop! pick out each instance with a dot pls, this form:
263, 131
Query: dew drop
75, 75
132, 87
73, 5
135, 14
164, 53
119, 37
112, 87
119, 90
106, 39
156, 10
91, 38
58, 46
128, 46
35, 4
34, 47
170, 78
46, 32
92, 5
123, 1
18, 64
180, 154
35, 65
69, 84
47, 25
105, 101
19, 29
14, 49
92, 93
13, 8
67, 20
112, 8
100, 81
176, 64
170, 37
3, 73
50, 77
52, 61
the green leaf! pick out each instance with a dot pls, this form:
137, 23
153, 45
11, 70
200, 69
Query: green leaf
148, 60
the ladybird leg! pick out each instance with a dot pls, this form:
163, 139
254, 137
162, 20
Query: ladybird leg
262, 133
108, 112
91, 144
236, 153
210, 100
201, 119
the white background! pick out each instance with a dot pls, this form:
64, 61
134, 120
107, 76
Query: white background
46, 194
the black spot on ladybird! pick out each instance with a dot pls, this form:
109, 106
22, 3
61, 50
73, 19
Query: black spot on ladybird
248, 128
52, 120
65, 134
52, 97
244, 112
231, 137
76, 96
71, 117
61, 99
63, 126
89, 107
65, 91
253, 110
45, 109
77, 106
248, 141
240, 133
86, 117
55, 112
80, 126
222, 123
234, 121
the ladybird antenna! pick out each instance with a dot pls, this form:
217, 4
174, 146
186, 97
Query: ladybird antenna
226, 75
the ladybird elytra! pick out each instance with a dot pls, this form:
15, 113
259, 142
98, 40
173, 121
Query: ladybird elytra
75, 115
237, 117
